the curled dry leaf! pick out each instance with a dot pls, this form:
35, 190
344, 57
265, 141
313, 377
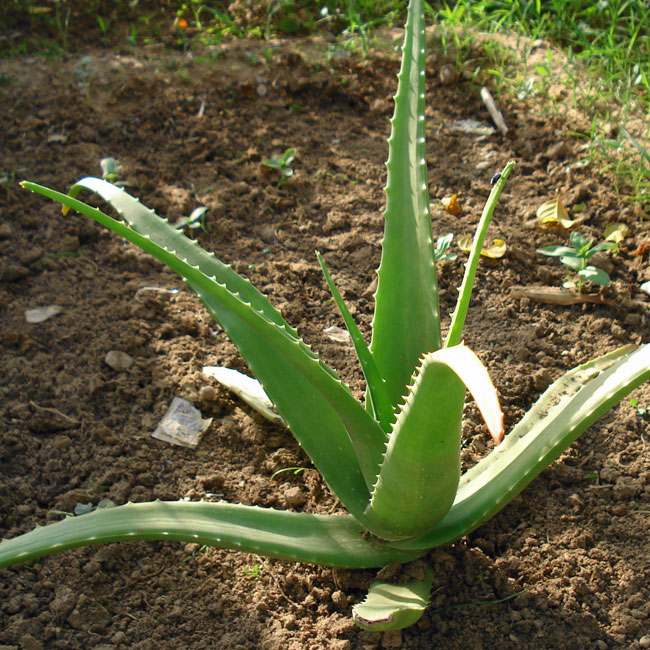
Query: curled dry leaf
451, 205
497, 250
616, 232
552, 214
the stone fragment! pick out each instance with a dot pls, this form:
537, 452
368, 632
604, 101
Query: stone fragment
118, 360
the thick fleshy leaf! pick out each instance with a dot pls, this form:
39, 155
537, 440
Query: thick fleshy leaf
419, 475
565, 410
378, 400
342, 440
295, 536
393, 607
455, 333
145, 221
406, 324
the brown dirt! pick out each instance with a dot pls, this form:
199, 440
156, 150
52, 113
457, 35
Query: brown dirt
568, 559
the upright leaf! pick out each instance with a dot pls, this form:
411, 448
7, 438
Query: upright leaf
406, 324
419, 475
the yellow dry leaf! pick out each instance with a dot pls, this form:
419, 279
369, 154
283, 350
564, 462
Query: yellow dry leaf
616, 232
464, 243
451, 205
498, 249
553, 213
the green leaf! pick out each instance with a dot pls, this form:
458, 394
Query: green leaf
556, 251
407, 295
380, 405
342, 440
454, 336
564, 411
598, 276
294, 536
393, 607
148, 223
573, 262
419, 476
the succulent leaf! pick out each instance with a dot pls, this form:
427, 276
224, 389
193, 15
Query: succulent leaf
564, 411
393, 607
314, 403
294, 536
419, 475
406, 323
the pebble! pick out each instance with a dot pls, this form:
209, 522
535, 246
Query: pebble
392, 639
64, 602
28, 642
644, 641
294, 497
207, 394
6, 230
118, 360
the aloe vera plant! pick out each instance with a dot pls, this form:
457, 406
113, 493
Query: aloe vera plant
394, 460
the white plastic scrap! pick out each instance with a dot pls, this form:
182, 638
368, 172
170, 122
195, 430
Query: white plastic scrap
337, 334
471, 127
181, 425
246, 388
645, 287
41, 314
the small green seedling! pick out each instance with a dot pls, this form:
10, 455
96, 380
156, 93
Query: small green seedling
195, 221
282, 162
639, 410
294, 470
575, 257
441, 249
111, 170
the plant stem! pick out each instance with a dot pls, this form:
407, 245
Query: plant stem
465, 291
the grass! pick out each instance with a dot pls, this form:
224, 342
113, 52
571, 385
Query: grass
608, 42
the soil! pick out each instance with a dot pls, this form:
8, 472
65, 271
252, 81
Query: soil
566, 565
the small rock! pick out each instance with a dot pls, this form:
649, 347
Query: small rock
31, 255
558, 151
211, 481
633, 319
28, 642
207, 394
6, 230
625, 489
339, 599
392, 639
118, 360
644, 641
63, 603
542, 379
294, 497
448, 75
335, 220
